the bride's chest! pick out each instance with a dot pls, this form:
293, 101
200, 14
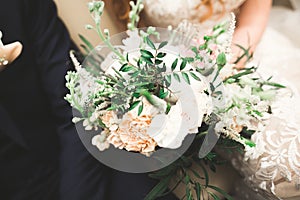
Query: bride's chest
174, 11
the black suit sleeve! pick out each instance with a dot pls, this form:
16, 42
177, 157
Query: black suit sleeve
82, 177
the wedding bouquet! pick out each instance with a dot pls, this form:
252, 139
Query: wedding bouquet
150, 89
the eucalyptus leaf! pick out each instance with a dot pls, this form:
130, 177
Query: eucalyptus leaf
146, 53
186, 78
194, 76
161, 55
176, 77
161, 45
150, 43
168, 80
157, 61
183, 64
126, 68
147, 60
174, 64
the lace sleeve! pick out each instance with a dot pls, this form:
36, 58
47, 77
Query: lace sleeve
273, 165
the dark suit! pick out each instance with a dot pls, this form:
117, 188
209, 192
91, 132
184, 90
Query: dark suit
41, 156
40, 153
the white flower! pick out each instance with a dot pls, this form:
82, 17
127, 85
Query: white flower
100, 141
253, 153
76, 120
132, 42
184, 117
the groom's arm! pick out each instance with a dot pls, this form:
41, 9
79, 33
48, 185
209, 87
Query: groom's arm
81, 175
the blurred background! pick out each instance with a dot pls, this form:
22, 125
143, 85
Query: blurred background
75, 15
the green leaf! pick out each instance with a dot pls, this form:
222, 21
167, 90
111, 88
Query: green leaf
194, 76
147, 60
207, 38
134, 105
126, 68
157, 62
198, 190
159, 189
186, 78
163, 69
141, 107
189, 59
150, 43
205, 172
168, 108
257, 113
163, 94
136, 94
100, 82
111, 108
277, 85
135, 74
86, 42
174, 64
146, 54
236, 76
245, 54
207, 72
194, 49
168, 80
221, 59
222, 192
161, 45
214, 196
212, 87
87, 51
196, 174
161, 55
203, 47
176, 76
183, 64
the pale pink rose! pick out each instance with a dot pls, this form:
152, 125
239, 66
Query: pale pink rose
132, 132
109, 118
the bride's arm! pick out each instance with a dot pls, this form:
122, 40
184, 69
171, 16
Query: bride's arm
251, 22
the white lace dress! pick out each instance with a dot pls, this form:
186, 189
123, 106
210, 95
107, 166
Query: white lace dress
272, 168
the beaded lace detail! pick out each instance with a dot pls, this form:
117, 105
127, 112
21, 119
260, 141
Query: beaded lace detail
273, 165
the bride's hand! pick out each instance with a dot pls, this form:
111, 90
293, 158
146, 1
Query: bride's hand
251, 22
242, 48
